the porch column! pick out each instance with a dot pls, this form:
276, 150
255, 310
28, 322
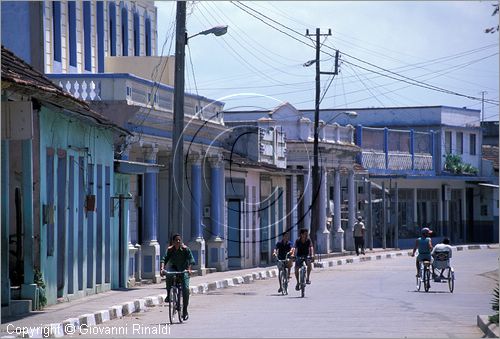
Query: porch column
294, 225
307, 201
323, 235
5, 223
370, 216
150, 247
384, 217
464, 215
396, 215
197, 243
338, 232
352, 212
216, 244
440, 210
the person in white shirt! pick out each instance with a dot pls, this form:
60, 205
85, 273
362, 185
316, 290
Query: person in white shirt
438, 250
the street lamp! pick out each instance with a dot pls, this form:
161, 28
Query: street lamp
176, 184
217, 31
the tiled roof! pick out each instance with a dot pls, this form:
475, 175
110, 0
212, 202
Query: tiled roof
17, 73
491, 153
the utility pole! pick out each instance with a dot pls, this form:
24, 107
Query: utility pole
316, 178
177, 175
482, 105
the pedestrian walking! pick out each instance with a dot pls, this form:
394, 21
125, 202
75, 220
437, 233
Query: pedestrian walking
359, 236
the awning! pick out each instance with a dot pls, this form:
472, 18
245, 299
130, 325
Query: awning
135, 167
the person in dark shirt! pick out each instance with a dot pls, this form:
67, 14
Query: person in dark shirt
282, 248
180, 258
303, 248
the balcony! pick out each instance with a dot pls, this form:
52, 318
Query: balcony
386, 151
136, 91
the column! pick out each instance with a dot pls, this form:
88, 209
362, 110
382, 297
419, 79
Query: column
197, 243
440, 211
323, 235
216, 244
5, 223
384, 217
150, 247
370, 216
338, 232
352, 212
396, 215
28, 288
307, 200
464, 216
294, 226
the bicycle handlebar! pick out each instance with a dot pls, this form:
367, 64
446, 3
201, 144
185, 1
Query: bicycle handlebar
174, 272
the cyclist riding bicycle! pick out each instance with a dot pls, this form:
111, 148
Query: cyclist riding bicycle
424, 246
180, 258
303, 248
281, 250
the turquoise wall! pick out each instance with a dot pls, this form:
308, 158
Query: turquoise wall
78, 146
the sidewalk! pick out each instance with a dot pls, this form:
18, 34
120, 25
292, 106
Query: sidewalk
57, 320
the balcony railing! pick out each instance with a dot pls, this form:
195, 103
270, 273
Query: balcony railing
385, 150
135, 91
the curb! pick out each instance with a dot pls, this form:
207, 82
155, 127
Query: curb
73, 325
489, 329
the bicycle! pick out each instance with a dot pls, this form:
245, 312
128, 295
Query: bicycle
302, 274
424, 275
441, 262
175, 299
283, 273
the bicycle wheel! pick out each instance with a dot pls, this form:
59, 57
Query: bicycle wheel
427, 279
451, 279
179, 304
285, 281
172, 307
280, 279
302, 282
419, 282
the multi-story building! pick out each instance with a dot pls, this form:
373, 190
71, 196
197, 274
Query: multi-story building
337, 165
428, 159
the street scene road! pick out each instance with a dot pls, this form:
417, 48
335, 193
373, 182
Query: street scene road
376, 299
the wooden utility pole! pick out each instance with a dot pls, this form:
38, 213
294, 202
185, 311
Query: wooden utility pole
316, 178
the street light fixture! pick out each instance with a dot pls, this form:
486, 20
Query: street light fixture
176, 185
217, 31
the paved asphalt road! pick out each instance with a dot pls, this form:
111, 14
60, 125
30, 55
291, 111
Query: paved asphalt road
362, 300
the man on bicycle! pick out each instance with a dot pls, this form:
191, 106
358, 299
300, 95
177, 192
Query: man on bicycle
442, 248
180, 258
281, 250
302, 248
424, 246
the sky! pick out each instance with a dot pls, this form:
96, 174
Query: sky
392, 53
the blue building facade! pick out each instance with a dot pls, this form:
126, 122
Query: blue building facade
61, 228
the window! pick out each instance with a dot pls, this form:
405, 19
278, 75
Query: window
72, 32
148, 36
447, 142
137, 35
112, 28
484, 210
460, 143
100, 36
56, 29
472, 144
87, 33
124, 32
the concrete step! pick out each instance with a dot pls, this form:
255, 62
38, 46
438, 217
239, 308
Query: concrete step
17, 308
